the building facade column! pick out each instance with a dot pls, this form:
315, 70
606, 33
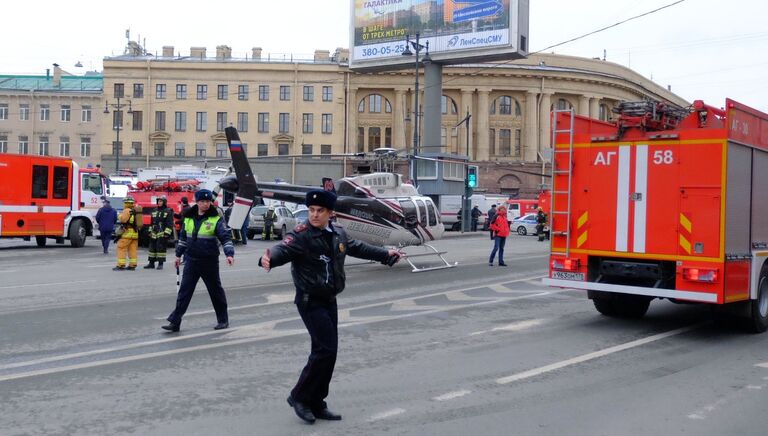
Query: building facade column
351, 120
398, 126
530, 129
545, 122
584, 105
594, 107
482, 152
466, 105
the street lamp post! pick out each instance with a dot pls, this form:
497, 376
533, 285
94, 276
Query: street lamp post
117, 124
417, 48
466, 203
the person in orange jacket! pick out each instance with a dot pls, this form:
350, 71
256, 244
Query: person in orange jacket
500, 229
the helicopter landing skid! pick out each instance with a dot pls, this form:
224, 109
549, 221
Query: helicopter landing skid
431, 251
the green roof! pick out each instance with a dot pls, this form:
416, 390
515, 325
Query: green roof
90, 84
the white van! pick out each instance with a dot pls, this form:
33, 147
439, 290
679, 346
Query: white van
450, 205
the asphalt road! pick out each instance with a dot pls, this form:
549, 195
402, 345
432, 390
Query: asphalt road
468, 350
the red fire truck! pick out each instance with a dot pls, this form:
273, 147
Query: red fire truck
146, 193
664, 203
48, 198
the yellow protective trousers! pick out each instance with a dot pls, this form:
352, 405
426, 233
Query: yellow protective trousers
127, 248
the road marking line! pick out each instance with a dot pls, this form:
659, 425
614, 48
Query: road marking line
762, 365
594, 355
387, 414
516, 326
271, 299
452, 395
46, 284
8, 271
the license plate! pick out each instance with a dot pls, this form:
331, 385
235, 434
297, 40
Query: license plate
564, 275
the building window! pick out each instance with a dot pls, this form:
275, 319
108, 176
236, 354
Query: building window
361, 106
160, 121
327, 93
285, 93
202, 92
85, 146
282, 149
181, 121
505, 142
325, 149
262, 149
64, 146
263, 122
201, 121
119, 90
603, 112
181, 92
3, 143
85, 114
284, 121
24, 112
138, 120
327, 123
492, 142
242, 92
159, 148
179, 150
444, 105
160, 91
374, 138
307, 120
221, 150
443, 138
117, 148
45, 112
200, 149
4, 111
309, 93
374, 104
138, 90
23, 145
387, 106
306, 148
264, 92
426, 169
223, 92
242, 121
518, 141
117, 120
387, 137
360, 139
42, 146
136, 148
221, 121
563, 104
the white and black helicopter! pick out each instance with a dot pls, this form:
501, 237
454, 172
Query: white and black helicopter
377, 208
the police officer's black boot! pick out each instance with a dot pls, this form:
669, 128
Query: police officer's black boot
160, 264
150, 265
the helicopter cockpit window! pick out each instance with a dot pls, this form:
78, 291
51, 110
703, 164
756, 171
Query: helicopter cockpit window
409, 212
432, 213
422, 212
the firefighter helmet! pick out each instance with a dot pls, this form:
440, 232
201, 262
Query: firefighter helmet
162, 198
129, 199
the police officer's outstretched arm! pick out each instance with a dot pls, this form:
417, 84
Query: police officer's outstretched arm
225, 237
291, 247
364, 250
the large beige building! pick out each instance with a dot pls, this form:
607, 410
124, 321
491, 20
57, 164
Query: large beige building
175, 109
54, 114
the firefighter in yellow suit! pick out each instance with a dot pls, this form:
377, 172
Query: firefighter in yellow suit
128, 243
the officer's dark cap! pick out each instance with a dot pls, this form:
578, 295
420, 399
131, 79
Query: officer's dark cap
204, 194
321, 198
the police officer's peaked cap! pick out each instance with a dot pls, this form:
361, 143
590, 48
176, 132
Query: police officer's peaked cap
204, 194
321, 198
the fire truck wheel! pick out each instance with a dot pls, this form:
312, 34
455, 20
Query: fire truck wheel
621, 305
77, 234
41, 240
759, 310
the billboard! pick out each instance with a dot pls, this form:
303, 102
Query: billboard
458, 31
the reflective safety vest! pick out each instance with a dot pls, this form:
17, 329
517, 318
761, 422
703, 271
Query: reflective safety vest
128, 220
207, 228
161, 223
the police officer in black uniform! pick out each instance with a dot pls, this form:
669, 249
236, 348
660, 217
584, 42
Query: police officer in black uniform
201, 231
317, 251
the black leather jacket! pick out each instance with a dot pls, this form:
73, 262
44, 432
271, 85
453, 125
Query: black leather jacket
317, 258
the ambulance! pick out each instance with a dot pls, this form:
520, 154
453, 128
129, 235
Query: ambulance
48, 198
664, 203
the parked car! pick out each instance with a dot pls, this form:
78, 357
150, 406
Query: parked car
301, 216
283, 223
524, 225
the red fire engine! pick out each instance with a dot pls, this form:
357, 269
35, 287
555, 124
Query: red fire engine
48, 197
146, 193
665, 203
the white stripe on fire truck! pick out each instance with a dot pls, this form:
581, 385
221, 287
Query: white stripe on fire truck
622, 199
641, 187
33, 209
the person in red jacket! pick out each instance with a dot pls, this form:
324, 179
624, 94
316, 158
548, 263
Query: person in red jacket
500, 229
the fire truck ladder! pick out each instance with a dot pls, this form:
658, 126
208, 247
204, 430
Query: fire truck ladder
562, 163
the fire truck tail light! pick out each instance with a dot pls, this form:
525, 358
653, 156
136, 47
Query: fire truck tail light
707, 275
565, 264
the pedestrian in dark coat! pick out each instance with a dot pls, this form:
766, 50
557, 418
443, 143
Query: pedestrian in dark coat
475, 215
317, 251
490, 219
202, 231
106, 217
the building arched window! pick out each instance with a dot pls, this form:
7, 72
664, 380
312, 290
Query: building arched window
506, 104
444, 104
563, 104
603, 112
375, 103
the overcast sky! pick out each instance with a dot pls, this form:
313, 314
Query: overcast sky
704, 49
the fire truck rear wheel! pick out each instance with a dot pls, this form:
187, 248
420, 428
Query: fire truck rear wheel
621, 305
759, 309
77, 234
41, 240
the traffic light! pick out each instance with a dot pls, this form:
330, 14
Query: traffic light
472, 176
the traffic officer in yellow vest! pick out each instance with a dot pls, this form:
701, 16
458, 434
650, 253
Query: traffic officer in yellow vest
128, 235
160, 230
201, 231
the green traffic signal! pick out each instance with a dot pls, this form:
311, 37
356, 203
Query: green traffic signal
472, 177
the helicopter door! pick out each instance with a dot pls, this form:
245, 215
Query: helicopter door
422, 212
409, 213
